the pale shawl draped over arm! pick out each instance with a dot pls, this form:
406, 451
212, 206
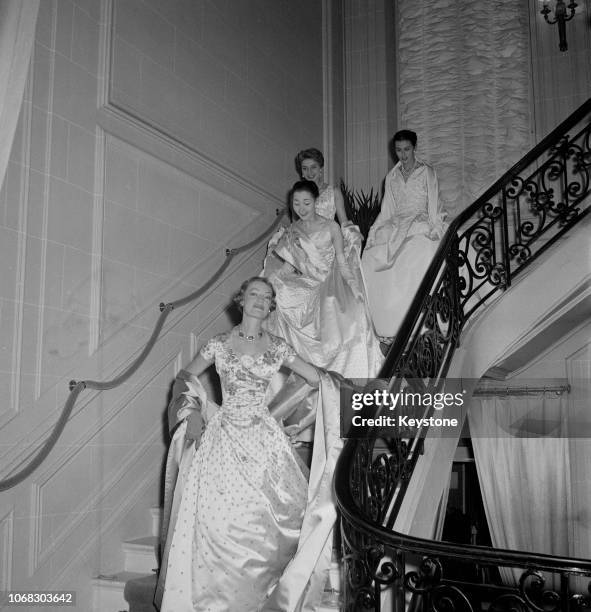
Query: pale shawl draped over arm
180, 455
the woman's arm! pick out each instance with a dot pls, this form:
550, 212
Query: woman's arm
340, 206
341, 262
337, 241
306, 370
198, 365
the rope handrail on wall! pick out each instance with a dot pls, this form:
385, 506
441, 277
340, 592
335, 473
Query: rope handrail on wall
76, 387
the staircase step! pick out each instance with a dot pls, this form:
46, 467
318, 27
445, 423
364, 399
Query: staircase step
139, 593
108, 589
141, 554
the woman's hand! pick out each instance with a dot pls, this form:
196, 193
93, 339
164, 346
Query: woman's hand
292, 432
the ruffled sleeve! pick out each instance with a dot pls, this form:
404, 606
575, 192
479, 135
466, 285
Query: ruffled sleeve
209, 349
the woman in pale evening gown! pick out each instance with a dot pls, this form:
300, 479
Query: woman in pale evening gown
403, 239
237, 508
321, 302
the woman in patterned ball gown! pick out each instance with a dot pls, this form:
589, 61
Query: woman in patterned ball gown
239, 499
310, 166
403, 239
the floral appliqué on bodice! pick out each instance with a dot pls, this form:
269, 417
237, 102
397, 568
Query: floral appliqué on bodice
245, 378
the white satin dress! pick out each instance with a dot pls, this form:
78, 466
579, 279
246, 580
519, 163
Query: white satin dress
401, 245
322, 309
242, 499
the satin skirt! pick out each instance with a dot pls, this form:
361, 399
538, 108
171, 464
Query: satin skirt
326, 324
392, 285
236, 517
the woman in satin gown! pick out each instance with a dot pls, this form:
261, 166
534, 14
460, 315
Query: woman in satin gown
404, 237
310, 166
321, 304
239, 499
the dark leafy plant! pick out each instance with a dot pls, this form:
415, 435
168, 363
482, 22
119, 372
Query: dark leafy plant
361, 208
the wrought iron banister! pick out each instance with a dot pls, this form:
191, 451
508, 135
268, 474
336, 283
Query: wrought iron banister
519, 217
351, 513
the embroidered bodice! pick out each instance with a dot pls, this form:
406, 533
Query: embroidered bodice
245, 378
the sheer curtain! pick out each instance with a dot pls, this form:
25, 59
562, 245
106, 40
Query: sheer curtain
522, 459
17, 35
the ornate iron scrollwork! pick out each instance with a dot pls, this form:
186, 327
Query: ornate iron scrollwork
531, 587
423, 579
486, 247
449, 598
508, 602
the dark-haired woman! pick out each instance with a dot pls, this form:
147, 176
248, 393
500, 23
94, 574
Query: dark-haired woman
404, 237
238, 506
310, 166
321, 304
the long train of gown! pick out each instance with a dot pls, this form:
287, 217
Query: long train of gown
239, 500
301, 586
401, 245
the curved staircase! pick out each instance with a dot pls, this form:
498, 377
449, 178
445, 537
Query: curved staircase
513, 268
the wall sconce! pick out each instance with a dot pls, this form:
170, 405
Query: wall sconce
561, 18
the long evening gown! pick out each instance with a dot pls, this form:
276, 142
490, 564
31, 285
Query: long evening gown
321, 311
240, 503
401, 245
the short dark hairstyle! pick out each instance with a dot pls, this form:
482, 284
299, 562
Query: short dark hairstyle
239, 297
405, 135
314, 154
